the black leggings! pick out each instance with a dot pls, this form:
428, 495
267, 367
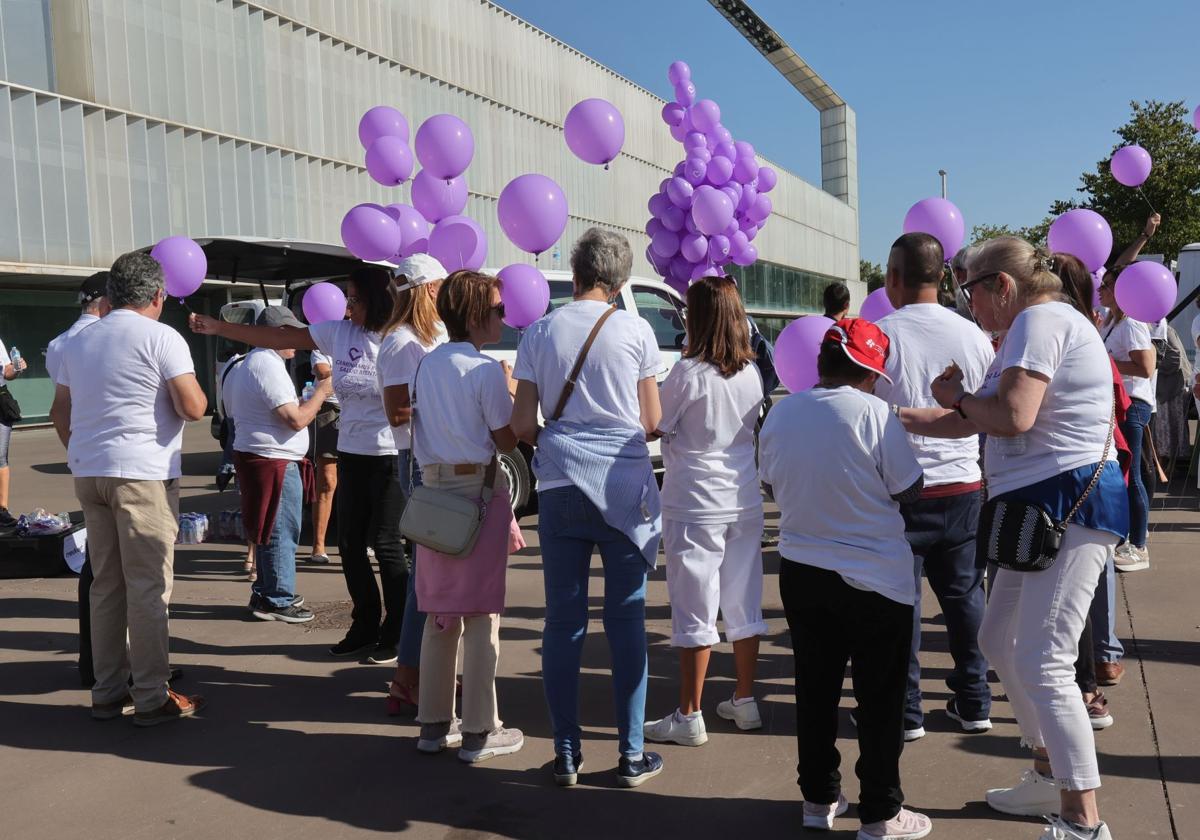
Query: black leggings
370, 502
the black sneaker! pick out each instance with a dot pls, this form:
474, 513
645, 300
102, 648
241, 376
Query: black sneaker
256, 601
634, 773
290, 614
566, 768
7, 520
352, 646
384, 654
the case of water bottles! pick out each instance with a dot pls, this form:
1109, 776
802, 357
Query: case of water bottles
193, 529
228, 526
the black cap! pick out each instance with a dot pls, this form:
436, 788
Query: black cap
94, 288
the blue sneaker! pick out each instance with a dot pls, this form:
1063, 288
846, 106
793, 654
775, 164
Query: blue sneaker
566, 769
634, 773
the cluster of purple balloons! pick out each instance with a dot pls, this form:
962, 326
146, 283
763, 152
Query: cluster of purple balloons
707, 214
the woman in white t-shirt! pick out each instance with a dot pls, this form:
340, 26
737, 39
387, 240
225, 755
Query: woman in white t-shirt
712, 507
460, 412
1128, 342
370, 498
1046, 406
324, 449
415, 328
8, 370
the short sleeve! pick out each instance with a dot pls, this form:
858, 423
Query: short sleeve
319, 358
1138, 336
61, 373
274, 386
174, 356
897, 464
398, 360
766, 447
675, 395
1035, 344
652, 361
494, 398
324, 335
5, 361
524, 368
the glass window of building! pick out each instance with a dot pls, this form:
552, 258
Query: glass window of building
25, 56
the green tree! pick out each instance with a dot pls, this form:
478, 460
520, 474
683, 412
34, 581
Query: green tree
1164, 130
871, 274
1035, 234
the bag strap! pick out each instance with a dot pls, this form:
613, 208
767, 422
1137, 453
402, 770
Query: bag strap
237, 361
569, 387
412, 425
1112, 419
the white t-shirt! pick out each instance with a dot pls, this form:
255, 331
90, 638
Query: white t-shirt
123, 423
1195, 338
5, 361
1120, 339
605, 397
316, 357
55, 347
1055, 340
461, 398
834, 458
708, 445
253, 390
924, 339
399, 354
352, 352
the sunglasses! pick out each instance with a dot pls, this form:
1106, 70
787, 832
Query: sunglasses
965, 288
499, 310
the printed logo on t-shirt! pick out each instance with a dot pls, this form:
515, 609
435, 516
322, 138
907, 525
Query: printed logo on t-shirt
355, 354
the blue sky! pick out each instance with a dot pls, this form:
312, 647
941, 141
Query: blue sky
1014, 100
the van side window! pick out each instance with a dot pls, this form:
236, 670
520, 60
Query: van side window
663, 314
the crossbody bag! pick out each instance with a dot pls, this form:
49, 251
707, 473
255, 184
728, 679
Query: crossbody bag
1021, 536
438, 519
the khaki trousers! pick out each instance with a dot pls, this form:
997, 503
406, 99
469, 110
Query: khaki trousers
132, 525
480, 636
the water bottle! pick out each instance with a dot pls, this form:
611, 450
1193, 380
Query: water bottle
65, 519
14, 356
309, 390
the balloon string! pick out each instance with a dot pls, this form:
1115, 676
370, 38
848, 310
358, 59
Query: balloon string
183, 303
1148, 204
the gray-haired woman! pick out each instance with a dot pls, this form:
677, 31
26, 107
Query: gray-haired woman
596, 489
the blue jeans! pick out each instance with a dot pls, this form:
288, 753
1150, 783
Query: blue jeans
942, 535
1105, 644
570, 527
1136, 420
276, 559
408, 649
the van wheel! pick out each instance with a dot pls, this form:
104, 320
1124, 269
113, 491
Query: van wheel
520, 479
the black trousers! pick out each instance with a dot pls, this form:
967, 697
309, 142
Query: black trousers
831, 622
87, 677
370, 502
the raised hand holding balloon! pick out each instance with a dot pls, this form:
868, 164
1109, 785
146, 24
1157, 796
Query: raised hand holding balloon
184, 266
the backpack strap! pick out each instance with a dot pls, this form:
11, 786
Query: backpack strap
569, 387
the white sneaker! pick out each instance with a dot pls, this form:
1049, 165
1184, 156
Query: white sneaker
678, 728
745, 715
910, 735
906, 825
1130, 558
1059, 829
822, 816
1034, 796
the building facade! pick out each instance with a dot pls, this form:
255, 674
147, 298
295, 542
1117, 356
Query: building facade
125, 121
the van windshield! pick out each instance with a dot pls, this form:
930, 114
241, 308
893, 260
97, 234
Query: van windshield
244, 315
561, 292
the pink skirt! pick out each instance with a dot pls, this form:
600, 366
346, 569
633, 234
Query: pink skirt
471, 585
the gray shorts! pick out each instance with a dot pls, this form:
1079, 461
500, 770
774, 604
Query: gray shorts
325, 432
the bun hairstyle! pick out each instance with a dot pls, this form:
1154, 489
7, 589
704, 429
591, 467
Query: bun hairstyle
1030, 268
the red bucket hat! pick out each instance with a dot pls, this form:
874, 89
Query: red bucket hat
865, 344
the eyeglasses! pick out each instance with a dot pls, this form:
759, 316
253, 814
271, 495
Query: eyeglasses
351, 300
965, 288
499, 310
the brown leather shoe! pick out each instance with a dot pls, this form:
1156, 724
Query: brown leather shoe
177, 706
1109, 673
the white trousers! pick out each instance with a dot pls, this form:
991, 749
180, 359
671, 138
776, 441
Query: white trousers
711, 567
1030, 635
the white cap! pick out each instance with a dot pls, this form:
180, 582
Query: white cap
418, 270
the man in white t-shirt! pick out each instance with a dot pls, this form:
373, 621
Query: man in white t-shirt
270, 442
122, 423
926, 338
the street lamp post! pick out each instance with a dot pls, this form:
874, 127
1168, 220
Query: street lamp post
942, 172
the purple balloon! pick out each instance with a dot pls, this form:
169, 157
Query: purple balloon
694, 170
672, 219
381, 121
734, 196
711, 209
694, 140
761, 211
1082, 233
718, 249
706, 115
746, 169
678, 132
390, 161
701, 153
940, 219
1131, 167
654, 226
767, 178
678, 72
1146, 291
657, 204
744, 149
436, 198
681, 268
875, 306
414, 230
725, 150
719, 170
721, 135
533, 212
796, 351
737, 244
679, 190
747, 256
749, 196
524, 293
323, 302
689, 224
672, 113
595, 131
445, 146
370, 233
660, 265
731, 228
685, 93
694, 247
183, 263
680, 286
458, 242
662, 185
665, 244
704, 270
750, 233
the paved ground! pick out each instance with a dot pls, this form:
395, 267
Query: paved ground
295, 745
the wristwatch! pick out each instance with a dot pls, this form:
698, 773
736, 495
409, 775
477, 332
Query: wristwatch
957, 406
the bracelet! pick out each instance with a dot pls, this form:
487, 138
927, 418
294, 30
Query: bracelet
957, 406
896, 408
